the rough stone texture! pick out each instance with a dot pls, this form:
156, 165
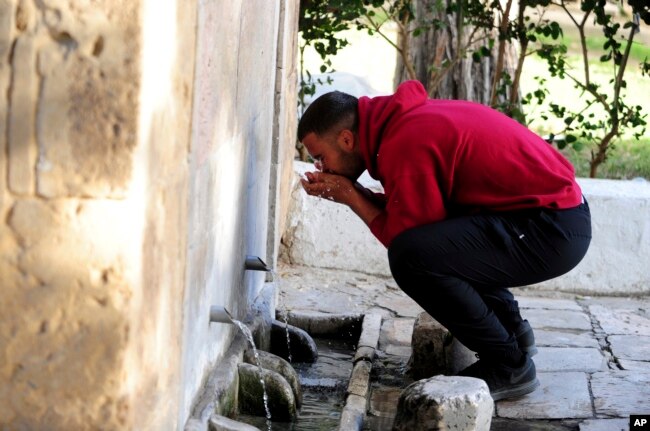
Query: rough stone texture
435, 351
346, 243
281, 401
616, 320
547, 303
634, 347
370, 331
564, 339
330, 291
327, 324
619, 393
558, 319
222, 423
275, 363
570, 359
635, 365
397, 332
353, 413
324, 234
560, 395
364, 353
383, 402
135, 161
441, 402
303, 348
360, 379
605, 425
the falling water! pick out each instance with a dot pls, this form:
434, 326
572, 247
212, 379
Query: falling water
249, 337
286, 329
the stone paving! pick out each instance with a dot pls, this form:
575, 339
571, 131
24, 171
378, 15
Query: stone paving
593, 362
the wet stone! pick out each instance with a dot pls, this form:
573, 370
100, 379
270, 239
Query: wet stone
621, 321
558, 319
324, 324
353, 413
303, 347
605, 425
435, 351
634, 347
370, 330
560, 395
396, 332
585, 359
281, 401
404, 351
360, 378
275, 363
564, 339
364, 353
383, 402
618, 393
222, 423
443, 402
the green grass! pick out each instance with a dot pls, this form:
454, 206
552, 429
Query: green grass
628, 159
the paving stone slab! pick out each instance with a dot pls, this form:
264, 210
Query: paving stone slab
630, 365
547, 303
404, 351
560, 396
564, 339
621, 321
558, 319
383, 401
621, 393
397, 332
563, 359
605, 425
635, 347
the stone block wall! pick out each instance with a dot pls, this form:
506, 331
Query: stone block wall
141, 145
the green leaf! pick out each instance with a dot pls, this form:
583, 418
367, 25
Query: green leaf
570, 139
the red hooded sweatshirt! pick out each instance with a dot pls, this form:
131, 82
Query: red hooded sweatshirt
442, 158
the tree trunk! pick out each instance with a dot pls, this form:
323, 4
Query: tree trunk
437, 45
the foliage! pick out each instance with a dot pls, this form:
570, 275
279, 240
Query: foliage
605, 114
483, 26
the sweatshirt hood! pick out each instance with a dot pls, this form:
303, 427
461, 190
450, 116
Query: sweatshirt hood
375, 114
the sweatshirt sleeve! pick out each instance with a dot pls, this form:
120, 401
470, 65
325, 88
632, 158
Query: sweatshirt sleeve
411, 200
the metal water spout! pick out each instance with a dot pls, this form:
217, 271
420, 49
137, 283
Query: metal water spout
254, 263
219, 314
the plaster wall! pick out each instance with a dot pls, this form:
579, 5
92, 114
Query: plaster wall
136, 172
324, 234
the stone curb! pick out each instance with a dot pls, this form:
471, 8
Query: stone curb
354, 411
319, 324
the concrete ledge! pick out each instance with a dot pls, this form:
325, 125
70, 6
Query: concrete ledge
323, 234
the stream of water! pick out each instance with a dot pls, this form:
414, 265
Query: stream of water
249, 337
323, 385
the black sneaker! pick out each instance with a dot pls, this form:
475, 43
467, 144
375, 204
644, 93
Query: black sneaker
503, 381
526, 338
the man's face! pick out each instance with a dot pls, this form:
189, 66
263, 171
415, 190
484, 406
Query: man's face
335, 154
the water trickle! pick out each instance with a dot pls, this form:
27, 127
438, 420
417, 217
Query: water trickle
286, 329
249, 337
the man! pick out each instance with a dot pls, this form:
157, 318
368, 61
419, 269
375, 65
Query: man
474, 203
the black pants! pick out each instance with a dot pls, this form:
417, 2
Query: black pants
459, 269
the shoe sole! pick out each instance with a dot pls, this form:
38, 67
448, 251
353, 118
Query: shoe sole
515, 391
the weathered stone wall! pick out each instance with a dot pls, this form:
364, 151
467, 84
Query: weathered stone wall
136, 148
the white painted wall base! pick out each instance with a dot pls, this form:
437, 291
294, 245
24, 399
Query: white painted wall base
328, 235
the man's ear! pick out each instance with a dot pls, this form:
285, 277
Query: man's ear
346, 139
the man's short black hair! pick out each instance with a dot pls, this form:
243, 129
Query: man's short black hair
327, 113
